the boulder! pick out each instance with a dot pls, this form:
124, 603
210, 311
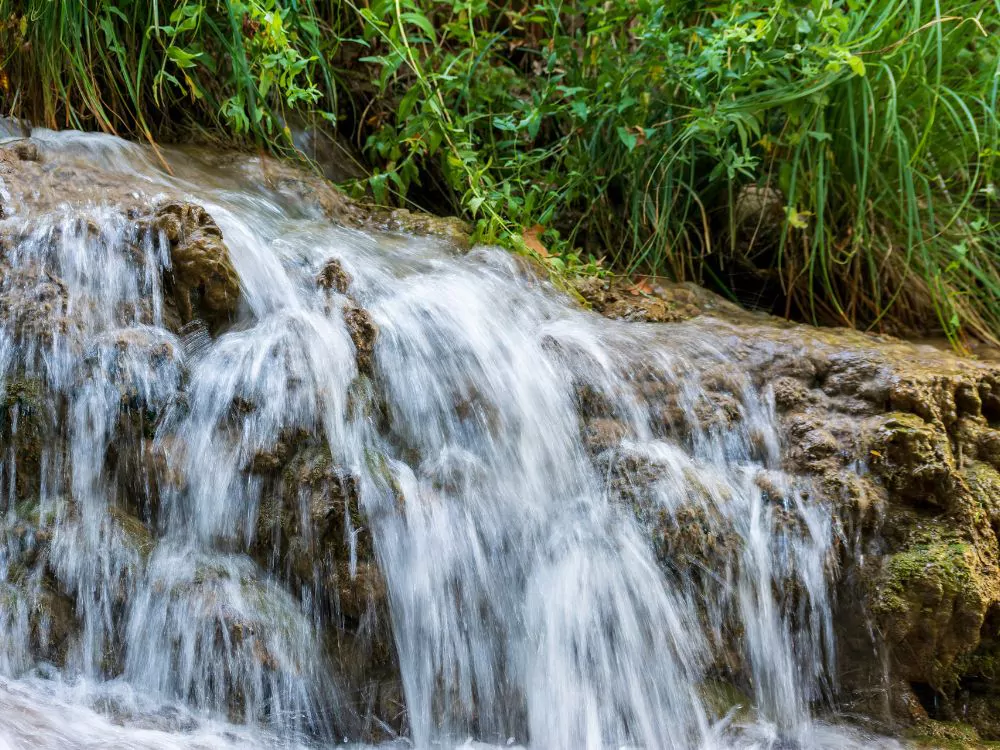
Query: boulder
201, 275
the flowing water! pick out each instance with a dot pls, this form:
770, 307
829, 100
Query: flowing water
529, 604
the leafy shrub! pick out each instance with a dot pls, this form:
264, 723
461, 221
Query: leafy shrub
652, 131
142, 68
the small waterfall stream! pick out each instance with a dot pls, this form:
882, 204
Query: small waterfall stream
491, 439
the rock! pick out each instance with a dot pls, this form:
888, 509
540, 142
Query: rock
26, 427
604, 434
931, 599
205, 284
33, 303
360, 325
618, 298
914, 459
333, 276
310, 527
902, 443
26, 150
448, 228
363, 332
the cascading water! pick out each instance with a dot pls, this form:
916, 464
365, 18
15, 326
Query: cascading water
491, 438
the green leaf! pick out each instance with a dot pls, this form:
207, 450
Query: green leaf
182, 58
420, 21
797, 219
629, 139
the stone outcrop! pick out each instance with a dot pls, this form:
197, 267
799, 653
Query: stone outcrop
900, 441
201, 275
309, 530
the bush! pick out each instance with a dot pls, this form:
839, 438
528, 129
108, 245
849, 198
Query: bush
831, 158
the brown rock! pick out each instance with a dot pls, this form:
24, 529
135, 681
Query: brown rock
205, 283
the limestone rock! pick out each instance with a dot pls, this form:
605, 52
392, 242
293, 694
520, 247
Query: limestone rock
205, 284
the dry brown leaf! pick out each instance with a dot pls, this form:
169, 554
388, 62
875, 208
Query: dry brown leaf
641, 286
533, 242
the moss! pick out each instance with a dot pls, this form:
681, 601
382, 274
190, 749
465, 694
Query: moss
947, 735
721, 697
930, 602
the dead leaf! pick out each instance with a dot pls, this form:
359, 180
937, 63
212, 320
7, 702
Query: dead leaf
532, 241
641, 286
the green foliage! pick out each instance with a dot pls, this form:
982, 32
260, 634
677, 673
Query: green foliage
841, 151
126, 65
634, 128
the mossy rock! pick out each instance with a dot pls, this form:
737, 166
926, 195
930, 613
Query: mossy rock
25, 428
451, 229
306, 502
930, 604
721, 697
135, 534
914, 459
947, 735
983, 482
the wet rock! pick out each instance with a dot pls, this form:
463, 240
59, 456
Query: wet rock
448, 228
205, 284
900, 441
361, 326
311, 532
333, 276
363, 332
619, 298
271, 460
932, 599
945, 734
26, 427
33, 303
53, 623
23, 149
790, 394
135, 534
26, 150
809, 440
304, 512
914, 459
601, 435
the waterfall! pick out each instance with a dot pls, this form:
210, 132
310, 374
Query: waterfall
582, 525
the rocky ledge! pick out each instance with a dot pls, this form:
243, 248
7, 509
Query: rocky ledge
902, 442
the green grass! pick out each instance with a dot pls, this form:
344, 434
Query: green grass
163, 69
837, 155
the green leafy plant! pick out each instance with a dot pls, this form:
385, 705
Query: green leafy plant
137, 67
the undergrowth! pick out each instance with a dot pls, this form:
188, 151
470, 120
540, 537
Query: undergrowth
832, 160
